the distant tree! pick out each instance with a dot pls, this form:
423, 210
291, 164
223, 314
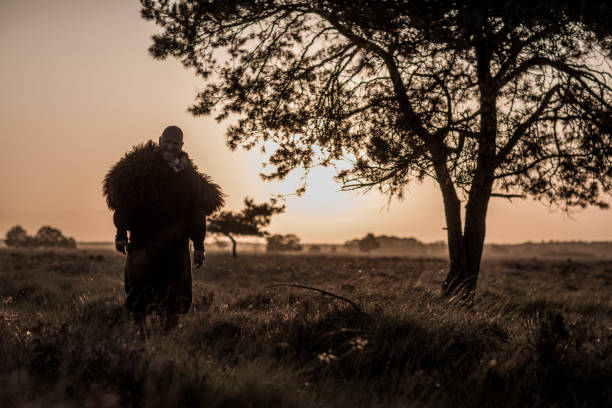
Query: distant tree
52, 237
314, 248
368, 243
17, 237
45, 237
248, 222
489, 98
283, 243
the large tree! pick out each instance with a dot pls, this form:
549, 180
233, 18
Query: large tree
250, 221
488, 98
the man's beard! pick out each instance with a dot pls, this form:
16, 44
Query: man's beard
170, 156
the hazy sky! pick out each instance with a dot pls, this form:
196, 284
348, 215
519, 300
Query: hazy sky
78, 89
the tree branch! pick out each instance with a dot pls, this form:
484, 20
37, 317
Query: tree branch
520, 129
400, 90
508, 196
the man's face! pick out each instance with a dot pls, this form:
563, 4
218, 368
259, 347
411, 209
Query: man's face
170, 147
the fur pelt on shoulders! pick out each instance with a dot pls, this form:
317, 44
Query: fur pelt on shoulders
212, 199
130, 182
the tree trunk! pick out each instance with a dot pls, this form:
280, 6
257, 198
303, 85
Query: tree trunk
475, 229
465, 253
465, 249
456, 277
234, 254
456, 242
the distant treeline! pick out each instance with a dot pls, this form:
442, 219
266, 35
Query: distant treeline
552, 249
393, 245
377, 245
389, 244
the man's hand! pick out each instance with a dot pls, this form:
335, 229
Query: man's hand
121, 240
198, 257
121, 245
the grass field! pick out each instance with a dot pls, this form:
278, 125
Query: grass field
539, 334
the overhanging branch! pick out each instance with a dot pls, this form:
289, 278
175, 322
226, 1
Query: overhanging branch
521, 128
508, 196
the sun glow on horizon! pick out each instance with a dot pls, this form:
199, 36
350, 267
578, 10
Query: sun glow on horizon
74, 103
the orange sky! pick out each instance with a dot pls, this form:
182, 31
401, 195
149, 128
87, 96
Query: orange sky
78, 89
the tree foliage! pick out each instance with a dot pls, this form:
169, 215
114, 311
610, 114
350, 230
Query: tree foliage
17, 237
283, 243
368, 243
45, 237
250, 221
487, 98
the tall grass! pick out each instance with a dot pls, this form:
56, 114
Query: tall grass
539, 334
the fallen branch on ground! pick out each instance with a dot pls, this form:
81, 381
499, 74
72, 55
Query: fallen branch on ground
295, 285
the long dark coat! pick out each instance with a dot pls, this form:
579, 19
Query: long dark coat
162, 208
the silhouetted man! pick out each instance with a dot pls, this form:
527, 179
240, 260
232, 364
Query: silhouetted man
162, 201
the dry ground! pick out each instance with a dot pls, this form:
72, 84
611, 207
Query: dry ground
539, 334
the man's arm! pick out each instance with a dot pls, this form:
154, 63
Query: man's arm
197, 236
121, 237
196, 227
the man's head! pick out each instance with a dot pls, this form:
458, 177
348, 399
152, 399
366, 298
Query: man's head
170, 143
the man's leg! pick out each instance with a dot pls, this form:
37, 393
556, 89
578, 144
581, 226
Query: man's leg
138, 286
177, 277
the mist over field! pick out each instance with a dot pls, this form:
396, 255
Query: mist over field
410, 247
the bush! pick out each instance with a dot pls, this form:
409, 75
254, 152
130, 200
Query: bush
283, 243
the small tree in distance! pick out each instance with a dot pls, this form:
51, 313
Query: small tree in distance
45, 237
17, 237
52, 237
248, 222
283, 243
368, 243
